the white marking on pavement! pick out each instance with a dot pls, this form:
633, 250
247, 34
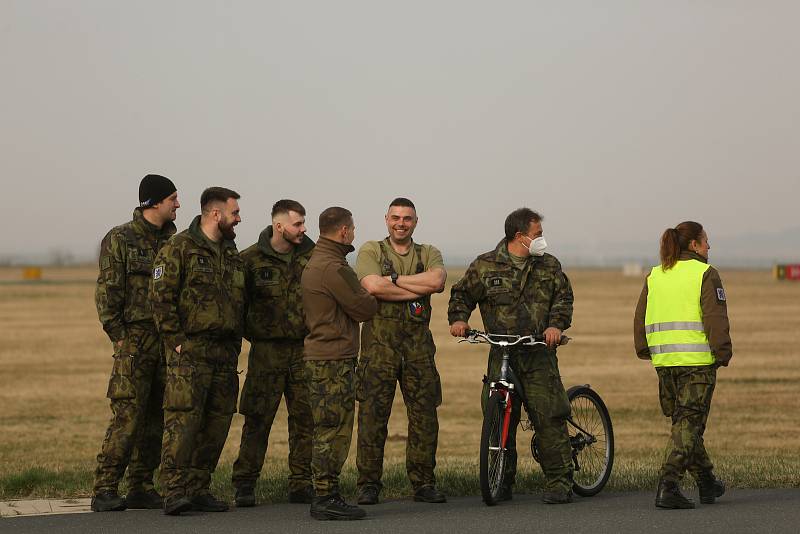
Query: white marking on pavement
44, 507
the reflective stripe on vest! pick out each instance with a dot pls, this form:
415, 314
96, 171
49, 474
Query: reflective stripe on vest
674, 319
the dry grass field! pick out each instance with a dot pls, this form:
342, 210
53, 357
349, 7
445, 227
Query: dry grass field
55, 361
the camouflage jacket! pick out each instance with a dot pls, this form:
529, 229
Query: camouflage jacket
126, 264
513, 301
274, 297
197, 288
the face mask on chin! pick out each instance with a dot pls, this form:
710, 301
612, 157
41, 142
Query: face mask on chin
537, 246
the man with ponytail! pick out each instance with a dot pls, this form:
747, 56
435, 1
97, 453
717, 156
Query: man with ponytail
681, 325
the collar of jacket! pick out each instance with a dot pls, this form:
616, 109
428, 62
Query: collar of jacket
334, 247
147, 227
689, 255
197, 235
502, 255
265, 244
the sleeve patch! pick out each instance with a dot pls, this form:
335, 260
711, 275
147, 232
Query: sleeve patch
720, 294
158, 272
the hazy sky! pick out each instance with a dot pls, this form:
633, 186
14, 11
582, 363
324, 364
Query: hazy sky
614, 119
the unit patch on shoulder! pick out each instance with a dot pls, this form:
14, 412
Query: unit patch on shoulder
158, 272
720, 294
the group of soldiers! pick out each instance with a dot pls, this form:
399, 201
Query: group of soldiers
177, 305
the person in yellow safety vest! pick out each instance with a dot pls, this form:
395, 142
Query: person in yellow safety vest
681, 325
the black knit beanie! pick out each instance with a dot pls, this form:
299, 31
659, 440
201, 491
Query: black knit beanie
153, 189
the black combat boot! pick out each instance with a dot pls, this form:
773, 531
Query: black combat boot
144, 500
108, 501
177, 505
368, 494
245, 496
557, 497
208, 503
710, 487
335, 508
669, 496
302, 496
429, 494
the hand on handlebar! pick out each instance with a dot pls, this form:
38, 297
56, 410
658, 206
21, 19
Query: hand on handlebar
552, 336
459, 329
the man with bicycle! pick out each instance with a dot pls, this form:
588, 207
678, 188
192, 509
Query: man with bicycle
522, 290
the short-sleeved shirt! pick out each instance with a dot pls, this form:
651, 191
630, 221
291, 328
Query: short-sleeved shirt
369, 259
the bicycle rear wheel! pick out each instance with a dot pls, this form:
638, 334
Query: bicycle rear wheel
592, 440
493, 448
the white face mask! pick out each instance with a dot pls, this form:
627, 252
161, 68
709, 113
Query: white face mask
537, 246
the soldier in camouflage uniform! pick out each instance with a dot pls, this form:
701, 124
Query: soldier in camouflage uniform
397, 346
275, 327
136, 388
520, 291
334, 304
198, 297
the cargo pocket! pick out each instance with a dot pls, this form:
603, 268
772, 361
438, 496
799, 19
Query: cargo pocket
556, 405
121, 386
253, 400
178, 393
225, 393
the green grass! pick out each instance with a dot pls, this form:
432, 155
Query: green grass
455, 477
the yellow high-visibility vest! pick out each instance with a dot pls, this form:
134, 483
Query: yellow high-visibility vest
673, 322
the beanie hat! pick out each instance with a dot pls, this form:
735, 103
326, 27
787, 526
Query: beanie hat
153, 189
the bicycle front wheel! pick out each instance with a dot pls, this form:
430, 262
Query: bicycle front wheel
493, 447
592, 440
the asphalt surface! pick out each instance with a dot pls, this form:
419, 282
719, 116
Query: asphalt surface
771, 511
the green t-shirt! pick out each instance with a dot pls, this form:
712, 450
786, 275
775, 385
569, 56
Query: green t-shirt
518, 261
369, 259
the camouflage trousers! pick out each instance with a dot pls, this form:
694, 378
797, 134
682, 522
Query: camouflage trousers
538, 374
133, 437
274, 370
392, 352
199, 402
685, 394
331, 388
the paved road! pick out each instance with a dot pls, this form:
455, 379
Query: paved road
772, 511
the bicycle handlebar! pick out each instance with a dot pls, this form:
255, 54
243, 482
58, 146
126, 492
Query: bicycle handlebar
476, 336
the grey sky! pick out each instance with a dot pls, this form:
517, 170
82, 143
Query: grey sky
614, 119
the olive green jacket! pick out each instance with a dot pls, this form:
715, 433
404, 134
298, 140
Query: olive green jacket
126, 264
198, 288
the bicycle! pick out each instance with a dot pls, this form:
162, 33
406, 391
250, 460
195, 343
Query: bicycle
589, 425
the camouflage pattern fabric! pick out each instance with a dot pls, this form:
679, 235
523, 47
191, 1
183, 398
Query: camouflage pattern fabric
133, 437
331, 386
397, 346
126, 263
275, 369
685, 395
513, 301
198, 299
537, 372
275, 299
519, 302
136, 386
393, 352
199, 402
198, 288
